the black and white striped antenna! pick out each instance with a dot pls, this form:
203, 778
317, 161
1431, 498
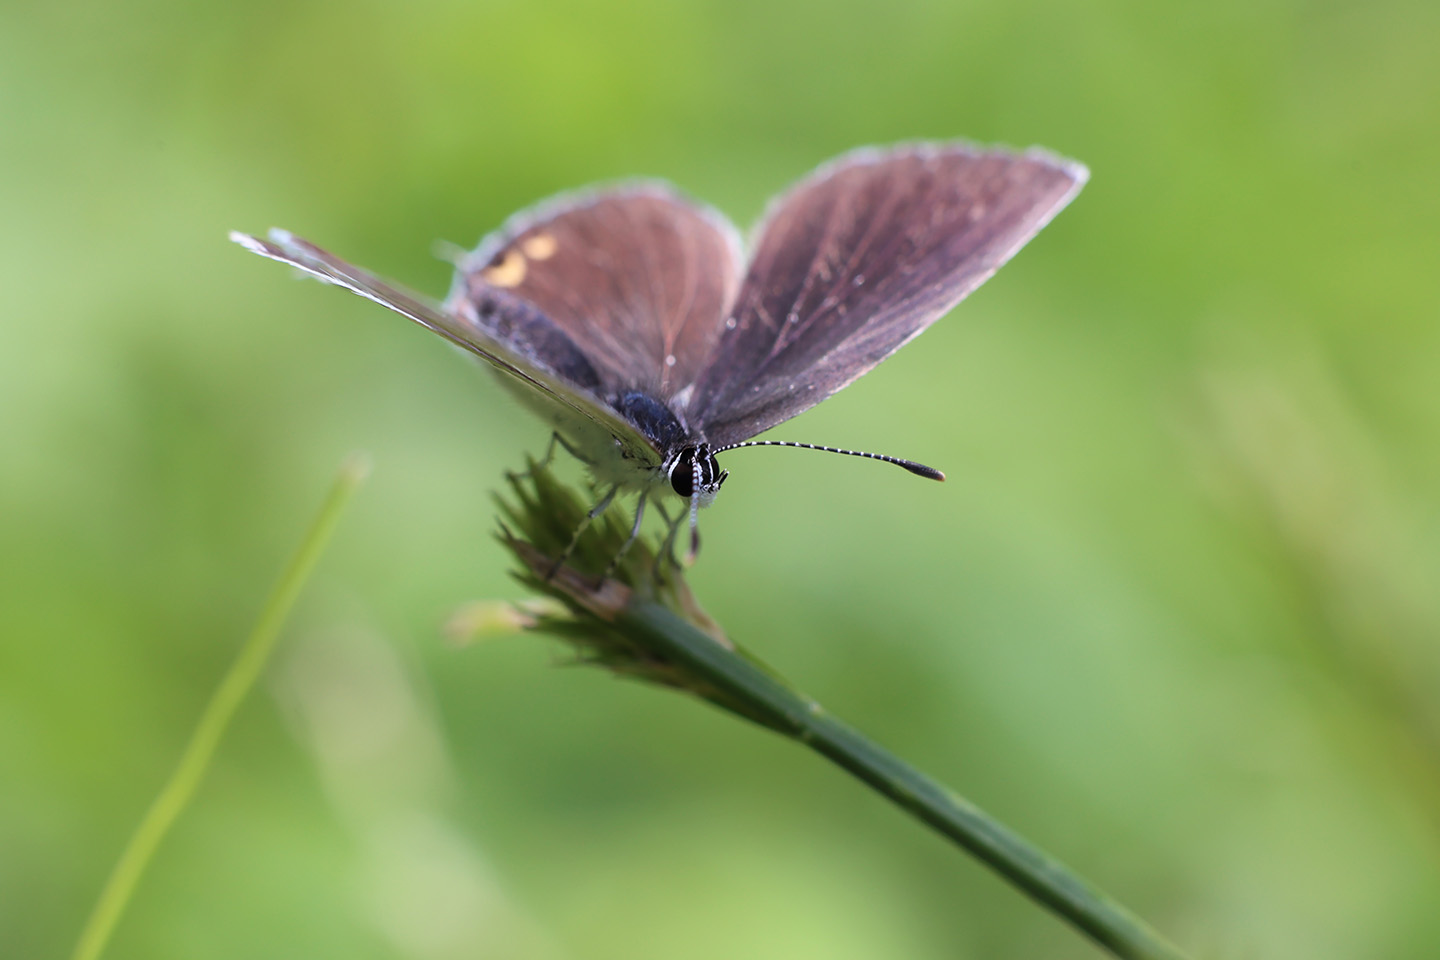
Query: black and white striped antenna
919, 469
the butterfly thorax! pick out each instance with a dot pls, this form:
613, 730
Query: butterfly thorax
688, 463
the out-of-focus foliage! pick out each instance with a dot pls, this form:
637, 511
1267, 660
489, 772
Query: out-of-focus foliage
1175, 616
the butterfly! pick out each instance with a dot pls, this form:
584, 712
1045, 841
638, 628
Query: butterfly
631, 319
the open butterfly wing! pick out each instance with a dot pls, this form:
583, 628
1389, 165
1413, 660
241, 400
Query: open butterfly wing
638, 277
532, 351
858, 259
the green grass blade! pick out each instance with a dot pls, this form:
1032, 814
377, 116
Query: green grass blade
195, 761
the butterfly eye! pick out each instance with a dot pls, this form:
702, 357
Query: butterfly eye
682, 473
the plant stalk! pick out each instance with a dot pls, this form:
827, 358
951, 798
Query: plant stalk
748, 689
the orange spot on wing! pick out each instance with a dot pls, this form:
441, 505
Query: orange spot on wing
509, 272
539, 247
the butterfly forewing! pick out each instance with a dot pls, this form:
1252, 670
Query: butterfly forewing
638, 278
534, 353
858, 259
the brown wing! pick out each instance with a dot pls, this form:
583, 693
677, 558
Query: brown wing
638, 278
858, 259
529, 350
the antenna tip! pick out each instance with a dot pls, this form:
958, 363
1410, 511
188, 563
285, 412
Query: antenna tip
920, 470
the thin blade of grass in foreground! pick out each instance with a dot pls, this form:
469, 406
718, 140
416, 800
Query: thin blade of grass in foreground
644, 623
195, 761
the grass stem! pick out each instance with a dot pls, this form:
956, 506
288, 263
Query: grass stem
177, 792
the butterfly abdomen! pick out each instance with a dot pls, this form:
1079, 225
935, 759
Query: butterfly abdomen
524, 327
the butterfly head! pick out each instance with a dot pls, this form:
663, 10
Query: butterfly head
694, 469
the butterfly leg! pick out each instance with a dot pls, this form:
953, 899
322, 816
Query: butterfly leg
543, 462
667, 549
595, 511
629, 541
557, 438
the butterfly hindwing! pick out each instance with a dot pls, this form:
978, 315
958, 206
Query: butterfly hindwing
638, 277
858, 259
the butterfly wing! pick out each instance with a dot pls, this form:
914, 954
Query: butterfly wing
511, 335
860, 258
637, 277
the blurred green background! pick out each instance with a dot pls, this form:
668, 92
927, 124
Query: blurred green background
1175, 615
